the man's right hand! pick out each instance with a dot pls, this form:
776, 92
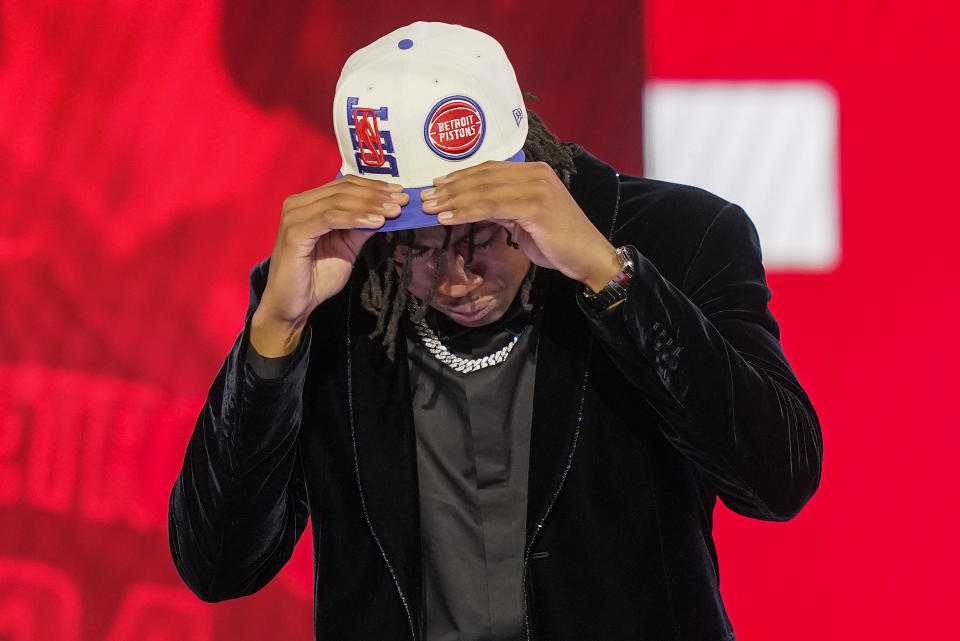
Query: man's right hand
316, 246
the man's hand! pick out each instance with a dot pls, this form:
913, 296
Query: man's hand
530, 201
314, 252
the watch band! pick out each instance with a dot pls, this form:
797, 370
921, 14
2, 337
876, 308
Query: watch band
614, 291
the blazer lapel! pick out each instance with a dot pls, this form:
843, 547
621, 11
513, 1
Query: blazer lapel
385, 449
563, 354
557, 394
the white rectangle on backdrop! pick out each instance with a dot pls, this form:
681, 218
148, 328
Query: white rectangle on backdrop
770, 146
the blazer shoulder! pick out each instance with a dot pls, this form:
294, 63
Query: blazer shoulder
602, 192
658, 199
668, 222
258, 277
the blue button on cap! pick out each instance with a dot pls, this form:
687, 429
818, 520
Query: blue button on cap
406, 43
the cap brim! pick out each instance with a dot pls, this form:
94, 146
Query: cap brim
412, 215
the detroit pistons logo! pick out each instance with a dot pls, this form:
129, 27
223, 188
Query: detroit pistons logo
454, 128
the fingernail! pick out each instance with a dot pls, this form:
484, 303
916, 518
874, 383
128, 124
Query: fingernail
427, 193
430, 203
440, 179
398, 196
376, 220
390, 206
445, 216
394, 187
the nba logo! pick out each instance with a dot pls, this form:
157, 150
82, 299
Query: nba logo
372, 146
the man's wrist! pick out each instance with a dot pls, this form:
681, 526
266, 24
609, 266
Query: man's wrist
615, 290
606, 266
273, 338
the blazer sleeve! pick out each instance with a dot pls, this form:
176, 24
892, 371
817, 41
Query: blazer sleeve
707, 356
239, 504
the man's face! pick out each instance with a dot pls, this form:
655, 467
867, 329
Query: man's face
474, 294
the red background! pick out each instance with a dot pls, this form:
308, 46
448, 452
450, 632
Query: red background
144, 152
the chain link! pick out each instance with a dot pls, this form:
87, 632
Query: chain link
459, 364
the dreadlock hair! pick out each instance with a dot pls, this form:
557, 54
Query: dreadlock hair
385, 295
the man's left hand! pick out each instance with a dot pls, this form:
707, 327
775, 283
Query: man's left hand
530, 200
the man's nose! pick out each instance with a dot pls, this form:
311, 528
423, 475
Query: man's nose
456, 279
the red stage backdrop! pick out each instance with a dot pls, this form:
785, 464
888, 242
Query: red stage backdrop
145, 149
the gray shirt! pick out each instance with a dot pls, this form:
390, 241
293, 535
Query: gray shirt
473, 444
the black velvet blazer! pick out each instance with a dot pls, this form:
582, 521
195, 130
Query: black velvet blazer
642, 416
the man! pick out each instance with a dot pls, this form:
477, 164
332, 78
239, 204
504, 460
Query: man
509, 414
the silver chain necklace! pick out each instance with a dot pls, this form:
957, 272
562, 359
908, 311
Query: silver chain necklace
433, 344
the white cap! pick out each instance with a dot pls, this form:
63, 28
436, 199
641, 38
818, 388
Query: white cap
441, 97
